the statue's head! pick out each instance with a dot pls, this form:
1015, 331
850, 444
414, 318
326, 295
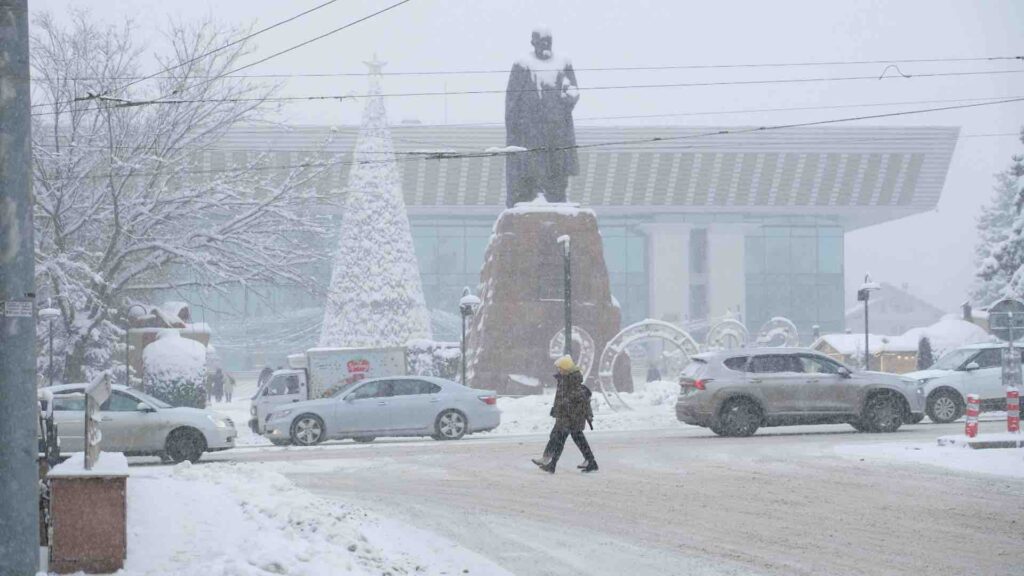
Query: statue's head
541, 40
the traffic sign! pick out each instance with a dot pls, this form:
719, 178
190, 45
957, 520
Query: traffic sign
1006, 319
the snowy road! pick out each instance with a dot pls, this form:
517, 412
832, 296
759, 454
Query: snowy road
787, 501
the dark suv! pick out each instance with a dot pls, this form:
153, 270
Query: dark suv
736, 392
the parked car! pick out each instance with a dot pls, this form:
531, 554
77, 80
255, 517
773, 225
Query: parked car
736, 392
387, 406
974, 369
138, 424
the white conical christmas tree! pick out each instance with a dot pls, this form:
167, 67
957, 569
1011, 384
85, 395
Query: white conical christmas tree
375, 298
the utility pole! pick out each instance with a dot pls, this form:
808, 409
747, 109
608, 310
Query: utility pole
565, 242
19, 487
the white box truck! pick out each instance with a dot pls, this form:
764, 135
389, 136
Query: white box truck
317, 372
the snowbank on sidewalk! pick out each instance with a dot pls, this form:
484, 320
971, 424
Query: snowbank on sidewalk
1001, 462
228, 519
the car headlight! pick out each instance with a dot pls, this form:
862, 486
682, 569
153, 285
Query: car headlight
252, 410
219, 422
278, 414
923, 381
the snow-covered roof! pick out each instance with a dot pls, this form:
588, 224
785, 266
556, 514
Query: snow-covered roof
852, 344
948, 333
864, 174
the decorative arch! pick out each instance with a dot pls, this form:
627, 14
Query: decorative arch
727, 335
630, 334
778, 332
586, 343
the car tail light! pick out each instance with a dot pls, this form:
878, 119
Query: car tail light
489, 400
699, 384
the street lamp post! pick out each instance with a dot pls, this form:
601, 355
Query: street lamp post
467, 307
49, 314
864, 295
127, 355
565, 241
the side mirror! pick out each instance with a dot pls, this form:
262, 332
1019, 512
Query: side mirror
972, 366
143, 407
348, 399
844, 372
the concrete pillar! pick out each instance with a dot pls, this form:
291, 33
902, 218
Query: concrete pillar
727, 280
668, 270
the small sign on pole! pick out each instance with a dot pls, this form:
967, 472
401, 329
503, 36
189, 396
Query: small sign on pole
18, 308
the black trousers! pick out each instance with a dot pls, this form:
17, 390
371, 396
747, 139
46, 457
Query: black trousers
556, 443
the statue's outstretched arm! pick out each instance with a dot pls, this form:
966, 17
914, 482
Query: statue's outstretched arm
571, 91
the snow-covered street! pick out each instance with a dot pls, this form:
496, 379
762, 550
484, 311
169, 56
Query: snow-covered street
808, 500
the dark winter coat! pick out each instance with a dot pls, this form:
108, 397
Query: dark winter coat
572, 402
218, 383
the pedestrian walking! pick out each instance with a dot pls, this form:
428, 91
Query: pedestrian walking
572, 412
218, 385
264, 377
229, 386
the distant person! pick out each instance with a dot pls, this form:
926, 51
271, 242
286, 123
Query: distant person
264, 376
229, 386
218, 385
653, 374
572, 412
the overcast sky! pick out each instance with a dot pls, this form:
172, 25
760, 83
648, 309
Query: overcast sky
931, 252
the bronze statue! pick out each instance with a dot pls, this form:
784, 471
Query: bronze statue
541, 94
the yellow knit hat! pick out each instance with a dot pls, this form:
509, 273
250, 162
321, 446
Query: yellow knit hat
565, 364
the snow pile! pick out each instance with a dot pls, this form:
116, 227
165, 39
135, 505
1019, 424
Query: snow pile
1001, 462
653, 407
174, 369
948, 333
375, 298
223, 519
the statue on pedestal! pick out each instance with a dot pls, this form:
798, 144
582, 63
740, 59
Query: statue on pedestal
541, 94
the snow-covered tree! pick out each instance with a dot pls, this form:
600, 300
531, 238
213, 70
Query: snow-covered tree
924, 353
127, 197
1000, 249
375, 298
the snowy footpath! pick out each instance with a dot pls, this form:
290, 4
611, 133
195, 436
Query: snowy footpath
249, 520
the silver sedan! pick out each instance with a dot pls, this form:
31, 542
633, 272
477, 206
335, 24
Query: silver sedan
391, 406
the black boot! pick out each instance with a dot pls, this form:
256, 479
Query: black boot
583, 465
549, 467
541, 461
590, 467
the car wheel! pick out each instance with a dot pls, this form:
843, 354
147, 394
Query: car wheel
882, 413
307, 430
185, 444
364, 439
911, 418
739, 417
858, 425
944, 406
281, 441
450, 425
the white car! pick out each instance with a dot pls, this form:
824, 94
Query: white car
138, 424
974, 369
390, 406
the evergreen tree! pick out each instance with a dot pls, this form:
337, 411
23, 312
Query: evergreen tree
375, 298
924, 353
1000, 248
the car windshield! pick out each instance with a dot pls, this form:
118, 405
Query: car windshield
151, 400
954, 359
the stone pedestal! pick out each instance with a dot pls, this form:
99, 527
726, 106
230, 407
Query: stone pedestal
89, 512
521, 291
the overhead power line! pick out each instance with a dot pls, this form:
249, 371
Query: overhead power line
408, 156
621, 117
596, 69
208, 53
340, 97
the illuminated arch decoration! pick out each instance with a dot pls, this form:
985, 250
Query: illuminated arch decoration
778, 332
640, 331
727, 335
586, 343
